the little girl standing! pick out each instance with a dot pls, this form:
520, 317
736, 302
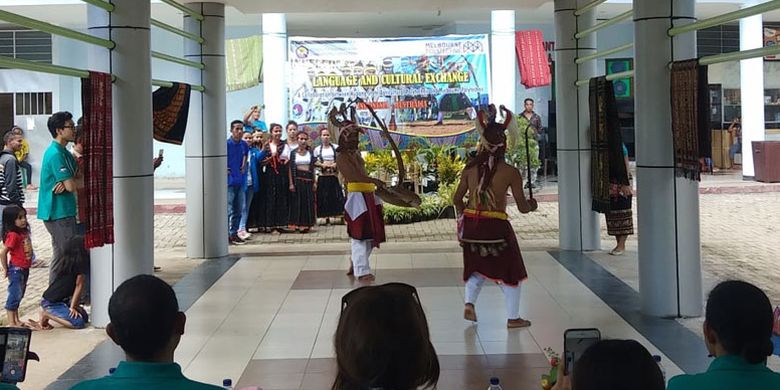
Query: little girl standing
16, 241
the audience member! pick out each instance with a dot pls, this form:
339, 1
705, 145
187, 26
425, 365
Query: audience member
382, 341
16, 242
237, 152
61, 301
11, 182
22, 156
252, 180
147, 324
737, 331
252, 120
60, 178
613, 365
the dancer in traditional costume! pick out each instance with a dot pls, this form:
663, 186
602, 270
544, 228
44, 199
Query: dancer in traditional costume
612, 192
490, 249
363, 209
269, 211
302, 186
330, 194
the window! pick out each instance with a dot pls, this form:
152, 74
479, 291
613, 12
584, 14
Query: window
25, 44
33, 103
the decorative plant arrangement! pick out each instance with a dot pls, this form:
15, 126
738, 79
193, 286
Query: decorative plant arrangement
548, 380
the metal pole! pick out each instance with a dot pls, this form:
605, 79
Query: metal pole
740, 55
184, 9
613, 76
176, 31
617, 19
725, 18
101, 4
177, 60
604, 53
17, 63
165, 83
23, 21
587, 7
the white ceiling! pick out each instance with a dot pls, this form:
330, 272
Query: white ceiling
397, 21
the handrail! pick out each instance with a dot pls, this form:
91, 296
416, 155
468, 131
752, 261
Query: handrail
617, 19
184, 9
740, 55
725, 18
177, 60
588, 7
24, 21
175, 30
18, 63
604, 53
101, 4
164, 83
613, 76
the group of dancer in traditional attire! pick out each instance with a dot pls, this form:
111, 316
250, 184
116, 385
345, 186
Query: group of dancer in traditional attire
290, 194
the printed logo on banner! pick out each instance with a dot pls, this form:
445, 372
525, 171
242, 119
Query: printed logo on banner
302, 52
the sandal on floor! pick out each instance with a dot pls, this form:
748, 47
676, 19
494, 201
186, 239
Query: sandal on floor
34, 325
616, 252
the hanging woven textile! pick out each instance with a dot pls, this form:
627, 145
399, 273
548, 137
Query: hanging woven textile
171, 107
98, 194
243, 62
690, 118
607, 164
532, 59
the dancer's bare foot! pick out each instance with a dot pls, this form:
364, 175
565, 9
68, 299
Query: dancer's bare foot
275, 232
367, 278
518, 323
469, 313
351, 271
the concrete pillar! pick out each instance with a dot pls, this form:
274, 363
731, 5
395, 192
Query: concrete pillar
205, 147
751, 73
275, 69
668, 207
503, 59
130, 61
579, 225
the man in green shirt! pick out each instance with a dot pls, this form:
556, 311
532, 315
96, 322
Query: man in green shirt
56, 195
147, 324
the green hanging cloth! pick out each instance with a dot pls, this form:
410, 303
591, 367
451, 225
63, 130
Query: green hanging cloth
244, 62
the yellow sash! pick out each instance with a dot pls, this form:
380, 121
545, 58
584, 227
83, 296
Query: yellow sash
361, 187
486, 214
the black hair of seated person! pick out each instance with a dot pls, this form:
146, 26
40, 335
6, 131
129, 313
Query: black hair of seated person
383, 341
617, 365
740, 315
145, 317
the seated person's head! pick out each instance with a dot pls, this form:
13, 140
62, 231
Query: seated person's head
617, 365
145, 319
739, 322
383, 341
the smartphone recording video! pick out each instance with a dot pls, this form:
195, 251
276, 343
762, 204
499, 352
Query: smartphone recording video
575, 342
15, 346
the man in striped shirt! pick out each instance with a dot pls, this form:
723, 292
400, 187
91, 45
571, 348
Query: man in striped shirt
11, 184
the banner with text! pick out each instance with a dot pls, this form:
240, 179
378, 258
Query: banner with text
418, 86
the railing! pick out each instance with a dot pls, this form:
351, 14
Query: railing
588, 7
177, 60
164, 83
176, 30
604, 53
24, 21
725, 18
609, 22
184, 9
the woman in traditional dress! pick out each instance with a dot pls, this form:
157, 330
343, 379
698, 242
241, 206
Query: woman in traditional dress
330, 194
302, 186
269, 210
620, 218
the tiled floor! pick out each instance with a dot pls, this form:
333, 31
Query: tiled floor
270, 321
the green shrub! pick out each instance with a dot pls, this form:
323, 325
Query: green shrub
431, 207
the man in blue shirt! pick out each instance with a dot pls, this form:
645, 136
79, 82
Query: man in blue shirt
237, 151
252, 120
147, 324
